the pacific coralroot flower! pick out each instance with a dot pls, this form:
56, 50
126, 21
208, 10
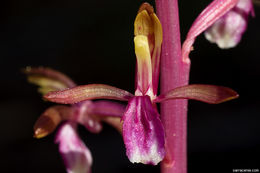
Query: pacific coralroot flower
143, 131
76, 155
214, 11
228, 30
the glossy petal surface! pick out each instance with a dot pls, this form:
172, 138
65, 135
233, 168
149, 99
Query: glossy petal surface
143, 132
76, 155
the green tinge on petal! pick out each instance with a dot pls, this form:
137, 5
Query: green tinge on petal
48, 79
46, 84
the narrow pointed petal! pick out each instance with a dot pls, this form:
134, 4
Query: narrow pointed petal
48, 79
76, 156
227, 31
88, 92
207, 17
143, 132
148, 24
205, 93
50, 119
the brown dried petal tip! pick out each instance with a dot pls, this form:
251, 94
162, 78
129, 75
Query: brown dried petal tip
146, 6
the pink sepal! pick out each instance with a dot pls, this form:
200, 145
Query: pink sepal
88, 92
205, 93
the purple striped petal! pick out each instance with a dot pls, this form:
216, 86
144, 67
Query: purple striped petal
206, 93
75, 154
207, 17
143, 132
228, 30
88, 92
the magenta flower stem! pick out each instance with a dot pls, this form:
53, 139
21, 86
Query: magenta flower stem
174, 73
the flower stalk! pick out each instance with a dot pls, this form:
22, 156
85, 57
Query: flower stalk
175, 68
174, 73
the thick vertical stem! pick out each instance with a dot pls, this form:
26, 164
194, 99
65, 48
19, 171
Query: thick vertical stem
174, 73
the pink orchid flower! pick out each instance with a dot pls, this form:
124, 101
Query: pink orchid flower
143, 132
227, 31
213, 12
76, 156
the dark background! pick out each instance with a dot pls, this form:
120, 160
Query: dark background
92, 42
